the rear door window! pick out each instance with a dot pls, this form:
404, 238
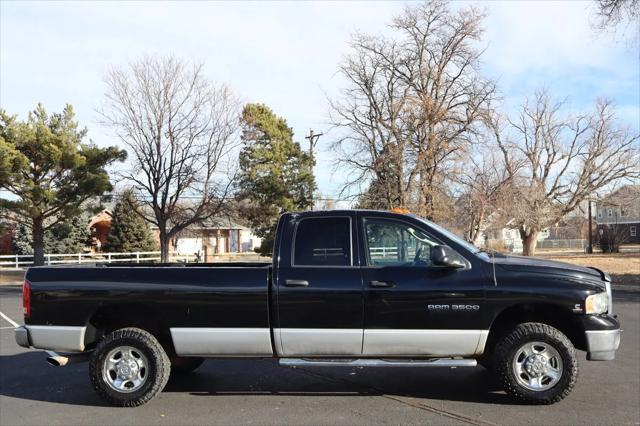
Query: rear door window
323, 242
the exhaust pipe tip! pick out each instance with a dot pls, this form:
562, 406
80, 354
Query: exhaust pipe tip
57, 361
60, 360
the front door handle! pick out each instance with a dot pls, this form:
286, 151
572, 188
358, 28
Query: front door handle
378, 284
296, 283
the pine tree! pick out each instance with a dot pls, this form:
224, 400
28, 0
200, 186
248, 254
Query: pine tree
276, 175
49, 170
69, 235
129, 231
21, 243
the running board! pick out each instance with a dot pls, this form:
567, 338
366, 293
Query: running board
435, 362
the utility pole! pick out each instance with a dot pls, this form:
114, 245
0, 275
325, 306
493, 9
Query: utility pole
313, 140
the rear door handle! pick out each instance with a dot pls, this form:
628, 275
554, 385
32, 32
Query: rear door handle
379, 284
296, 283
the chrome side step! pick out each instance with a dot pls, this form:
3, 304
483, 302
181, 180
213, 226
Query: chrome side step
319, 362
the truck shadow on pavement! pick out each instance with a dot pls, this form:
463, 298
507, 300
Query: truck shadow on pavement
265, 377
26, 376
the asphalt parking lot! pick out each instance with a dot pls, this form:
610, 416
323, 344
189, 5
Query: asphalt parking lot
261, 392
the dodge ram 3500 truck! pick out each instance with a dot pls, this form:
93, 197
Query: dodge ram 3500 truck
345, 288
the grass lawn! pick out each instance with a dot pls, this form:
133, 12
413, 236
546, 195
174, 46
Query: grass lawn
624, 268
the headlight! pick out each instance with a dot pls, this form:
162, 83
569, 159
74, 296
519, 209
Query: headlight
596, 303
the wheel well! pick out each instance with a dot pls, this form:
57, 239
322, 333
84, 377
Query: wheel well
554, 315
113, 317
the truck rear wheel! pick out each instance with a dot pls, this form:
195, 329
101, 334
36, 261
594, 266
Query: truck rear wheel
536, 363
129, 367
185, 365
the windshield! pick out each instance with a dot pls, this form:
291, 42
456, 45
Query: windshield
450, 235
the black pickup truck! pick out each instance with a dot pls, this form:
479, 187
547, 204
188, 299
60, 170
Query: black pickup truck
345, 288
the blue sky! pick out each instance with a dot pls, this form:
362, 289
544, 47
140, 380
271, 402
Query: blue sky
286, 54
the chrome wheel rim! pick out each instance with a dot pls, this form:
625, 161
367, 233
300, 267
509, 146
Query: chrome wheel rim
125, 369
537, 366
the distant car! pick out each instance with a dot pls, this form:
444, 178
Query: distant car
345, 288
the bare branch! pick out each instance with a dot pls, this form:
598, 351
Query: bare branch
182, 132
412, 102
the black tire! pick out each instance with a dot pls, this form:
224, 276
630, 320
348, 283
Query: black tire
156, 373
185, 365
506, 349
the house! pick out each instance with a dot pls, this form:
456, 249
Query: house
100, 225
214, 237
506, 238
7, 231
620, 212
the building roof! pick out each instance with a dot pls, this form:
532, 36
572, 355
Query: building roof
219, 223
624, 195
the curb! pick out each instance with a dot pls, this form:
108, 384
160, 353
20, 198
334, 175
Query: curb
626, 287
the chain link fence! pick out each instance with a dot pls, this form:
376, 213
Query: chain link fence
575, 244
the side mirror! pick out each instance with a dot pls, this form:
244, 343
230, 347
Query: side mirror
446, 257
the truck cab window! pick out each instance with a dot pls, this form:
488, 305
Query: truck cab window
323, 242
392, 243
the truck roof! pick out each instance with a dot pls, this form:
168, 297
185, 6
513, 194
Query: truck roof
343, 211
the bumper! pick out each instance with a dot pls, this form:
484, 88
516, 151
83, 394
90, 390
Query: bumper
602, 344
22, 336
50, 337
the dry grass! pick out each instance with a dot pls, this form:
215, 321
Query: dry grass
624, 268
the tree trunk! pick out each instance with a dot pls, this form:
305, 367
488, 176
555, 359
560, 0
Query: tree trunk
38, 241
476, 229
164, 246
529, 240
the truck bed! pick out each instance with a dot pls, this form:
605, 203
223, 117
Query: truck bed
189, 295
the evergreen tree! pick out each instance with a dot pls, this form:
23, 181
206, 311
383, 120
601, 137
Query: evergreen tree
385, 189
21, 243
49, 170
129, 231
69, 235
276, 175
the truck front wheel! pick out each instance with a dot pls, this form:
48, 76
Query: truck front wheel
536, 363
129, 367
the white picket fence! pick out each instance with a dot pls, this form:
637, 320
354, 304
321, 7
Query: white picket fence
383, 252
21, 261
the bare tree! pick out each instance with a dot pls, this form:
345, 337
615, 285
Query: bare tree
483, 185
411, 102
562, 161
610, 13
180, 129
